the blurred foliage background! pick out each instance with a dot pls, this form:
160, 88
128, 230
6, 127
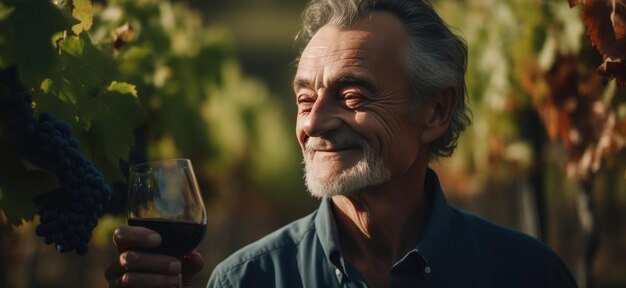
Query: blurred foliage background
214, 80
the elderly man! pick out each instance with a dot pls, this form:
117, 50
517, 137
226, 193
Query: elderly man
380, 92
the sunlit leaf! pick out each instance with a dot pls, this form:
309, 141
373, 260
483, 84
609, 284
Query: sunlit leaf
82, 10
123, 88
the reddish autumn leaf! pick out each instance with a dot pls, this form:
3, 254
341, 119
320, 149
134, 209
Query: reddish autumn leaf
619, 21
599, 18
576, 114
613, 69
606, 27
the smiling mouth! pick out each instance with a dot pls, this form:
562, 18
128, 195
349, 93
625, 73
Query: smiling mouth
337, 149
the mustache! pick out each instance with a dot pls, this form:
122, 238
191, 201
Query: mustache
341, 139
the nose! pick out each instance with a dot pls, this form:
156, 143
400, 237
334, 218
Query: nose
323, 117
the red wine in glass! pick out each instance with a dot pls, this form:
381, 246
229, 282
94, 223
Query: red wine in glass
178, 238
164, 196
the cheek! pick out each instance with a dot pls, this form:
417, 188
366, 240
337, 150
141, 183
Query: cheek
380, 129
406, 147
392, 138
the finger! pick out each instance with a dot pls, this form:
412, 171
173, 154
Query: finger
150, 263
141, 280
127, 237
114, 271
191, 266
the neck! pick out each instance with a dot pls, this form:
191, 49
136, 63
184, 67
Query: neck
380, 224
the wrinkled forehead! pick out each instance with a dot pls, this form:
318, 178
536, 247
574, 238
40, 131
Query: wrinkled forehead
378, 34
340, 44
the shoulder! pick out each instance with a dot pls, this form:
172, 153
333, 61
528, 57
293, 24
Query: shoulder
498, 245
486, 230
492, 238
263, 257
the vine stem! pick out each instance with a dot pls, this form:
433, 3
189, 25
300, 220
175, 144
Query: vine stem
589, 226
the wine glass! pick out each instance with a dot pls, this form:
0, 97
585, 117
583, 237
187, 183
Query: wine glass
163, 196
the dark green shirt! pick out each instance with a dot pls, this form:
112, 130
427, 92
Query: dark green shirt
456, 250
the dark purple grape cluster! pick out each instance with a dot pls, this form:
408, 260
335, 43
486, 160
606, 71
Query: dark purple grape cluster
67, 214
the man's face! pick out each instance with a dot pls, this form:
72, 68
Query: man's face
353, 106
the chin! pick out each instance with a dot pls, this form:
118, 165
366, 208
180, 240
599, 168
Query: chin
324, 183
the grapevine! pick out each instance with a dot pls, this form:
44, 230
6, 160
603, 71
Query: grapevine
69, 213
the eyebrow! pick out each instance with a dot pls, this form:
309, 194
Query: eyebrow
301, 83
345, 80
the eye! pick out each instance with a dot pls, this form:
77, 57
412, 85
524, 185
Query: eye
353, 100
305, 102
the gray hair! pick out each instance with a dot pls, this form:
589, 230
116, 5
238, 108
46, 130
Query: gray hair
436, 58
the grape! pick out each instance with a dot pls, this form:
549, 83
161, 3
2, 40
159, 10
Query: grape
70, 212
74, 143
41, 230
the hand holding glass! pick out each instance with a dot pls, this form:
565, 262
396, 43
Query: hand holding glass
163, 196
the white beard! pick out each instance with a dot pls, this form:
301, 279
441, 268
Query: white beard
368, 171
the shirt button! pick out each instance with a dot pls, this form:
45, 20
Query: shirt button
337, 272
427, 269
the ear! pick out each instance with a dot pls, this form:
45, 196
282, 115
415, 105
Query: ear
439, 110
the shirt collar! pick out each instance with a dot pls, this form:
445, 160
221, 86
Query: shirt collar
437, 230
432, 241
326, 229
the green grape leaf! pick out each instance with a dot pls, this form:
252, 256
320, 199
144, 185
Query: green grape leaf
103, 112
85, 65
34, 23
58, 97
18, 184
82, 11
123, 88
85, 72
114, 114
